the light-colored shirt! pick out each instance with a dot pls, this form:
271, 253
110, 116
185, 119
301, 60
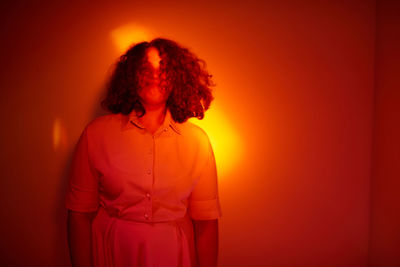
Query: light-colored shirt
139, 176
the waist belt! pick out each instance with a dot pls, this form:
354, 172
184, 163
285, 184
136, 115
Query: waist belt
183, 243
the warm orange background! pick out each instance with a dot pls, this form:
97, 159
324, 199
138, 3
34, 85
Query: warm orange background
306, 116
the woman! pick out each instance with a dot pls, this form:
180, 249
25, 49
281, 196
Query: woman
143, 188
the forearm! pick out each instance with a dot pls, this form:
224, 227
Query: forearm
206, 241
80, 238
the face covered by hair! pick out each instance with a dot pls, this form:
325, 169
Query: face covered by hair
150, 79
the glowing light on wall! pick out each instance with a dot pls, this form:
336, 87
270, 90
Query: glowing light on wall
224, 139
59, 134
128, 34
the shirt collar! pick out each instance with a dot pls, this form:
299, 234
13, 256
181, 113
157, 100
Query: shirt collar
132, 120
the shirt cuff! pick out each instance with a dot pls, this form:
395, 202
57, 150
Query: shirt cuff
81, 200
205, 209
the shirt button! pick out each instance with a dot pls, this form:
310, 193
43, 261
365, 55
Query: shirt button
148, 171
146, 216
148, 195
165, 129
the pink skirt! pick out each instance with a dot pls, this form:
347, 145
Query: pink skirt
125, 243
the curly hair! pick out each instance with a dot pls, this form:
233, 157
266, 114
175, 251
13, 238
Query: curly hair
184, 75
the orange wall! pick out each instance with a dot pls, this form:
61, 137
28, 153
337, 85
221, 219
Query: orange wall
295, 83
385, 208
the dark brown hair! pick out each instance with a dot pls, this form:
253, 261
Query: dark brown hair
184, 75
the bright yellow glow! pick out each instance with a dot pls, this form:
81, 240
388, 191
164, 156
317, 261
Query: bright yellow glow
129, 34
223, 137
224, 140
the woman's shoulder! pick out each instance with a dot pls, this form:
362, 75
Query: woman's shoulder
193, 131
103, 122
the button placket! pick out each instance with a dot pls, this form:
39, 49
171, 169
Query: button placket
148, 205
150, 174
151, 158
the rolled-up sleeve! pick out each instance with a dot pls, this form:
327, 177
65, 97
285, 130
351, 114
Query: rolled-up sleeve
204, 201
82, 189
